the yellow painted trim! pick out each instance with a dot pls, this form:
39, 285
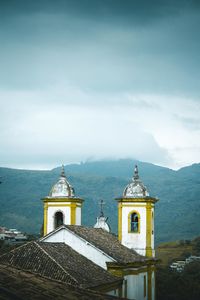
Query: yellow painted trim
73, 214
129, 222
116, 272
139, 266
123, 271
45, 218
148, 230
145, 286
144, 200
133, 205
120, 222
74, 200
149, 283
63, 205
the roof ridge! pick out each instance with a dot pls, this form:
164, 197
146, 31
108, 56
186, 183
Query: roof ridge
55, 262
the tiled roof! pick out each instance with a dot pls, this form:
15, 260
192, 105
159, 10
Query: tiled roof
108, 243
60, 262
21, 285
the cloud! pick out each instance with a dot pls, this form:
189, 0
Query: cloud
128, 125
99, 79
65, 133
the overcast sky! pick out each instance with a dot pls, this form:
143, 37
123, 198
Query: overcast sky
99, 79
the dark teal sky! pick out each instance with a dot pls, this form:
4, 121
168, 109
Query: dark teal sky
99, 79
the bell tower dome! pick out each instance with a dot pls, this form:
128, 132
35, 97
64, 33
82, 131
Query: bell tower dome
136, 217
61, 206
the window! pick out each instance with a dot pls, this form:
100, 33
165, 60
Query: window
134, 222
58, 219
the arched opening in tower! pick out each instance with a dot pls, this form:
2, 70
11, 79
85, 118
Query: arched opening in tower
58, 221
134, 222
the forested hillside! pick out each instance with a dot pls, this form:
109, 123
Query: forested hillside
177, 212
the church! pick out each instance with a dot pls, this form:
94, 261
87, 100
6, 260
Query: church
89, 258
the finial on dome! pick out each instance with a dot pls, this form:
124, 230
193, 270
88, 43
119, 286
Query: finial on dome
136, 173
62, 171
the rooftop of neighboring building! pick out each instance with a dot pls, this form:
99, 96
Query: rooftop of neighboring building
58, 261
20, 285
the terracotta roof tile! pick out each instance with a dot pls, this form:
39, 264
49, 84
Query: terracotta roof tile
22, 285
60, 262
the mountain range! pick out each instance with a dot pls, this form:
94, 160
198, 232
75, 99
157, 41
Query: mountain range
177, 213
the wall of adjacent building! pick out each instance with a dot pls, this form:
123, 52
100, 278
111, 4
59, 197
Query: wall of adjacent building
81, 246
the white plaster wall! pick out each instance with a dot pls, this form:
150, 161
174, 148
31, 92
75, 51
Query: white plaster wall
78, 215
137, 241
81, 246
113, 293
153, 285
51, 213
135, 286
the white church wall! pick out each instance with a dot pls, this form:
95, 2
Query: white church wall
78, 215
134, 240
113, 293
153, 285
51, 213
137, 286
80, 245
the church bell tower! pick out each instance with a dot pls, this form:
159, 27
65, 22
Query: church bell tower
61, 206
136, 217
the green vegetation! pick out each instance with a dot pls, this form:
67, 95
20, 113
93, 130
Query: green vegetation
168, 252
177, 250
177, 213
172, 285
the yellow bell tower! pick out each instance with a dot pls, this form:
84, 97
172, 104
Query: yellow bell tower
61, 206
136, 217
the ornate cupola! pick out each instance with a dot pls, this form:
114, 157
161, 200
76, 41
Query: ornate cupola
61, 206
135, 189
102, 220
136, 217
